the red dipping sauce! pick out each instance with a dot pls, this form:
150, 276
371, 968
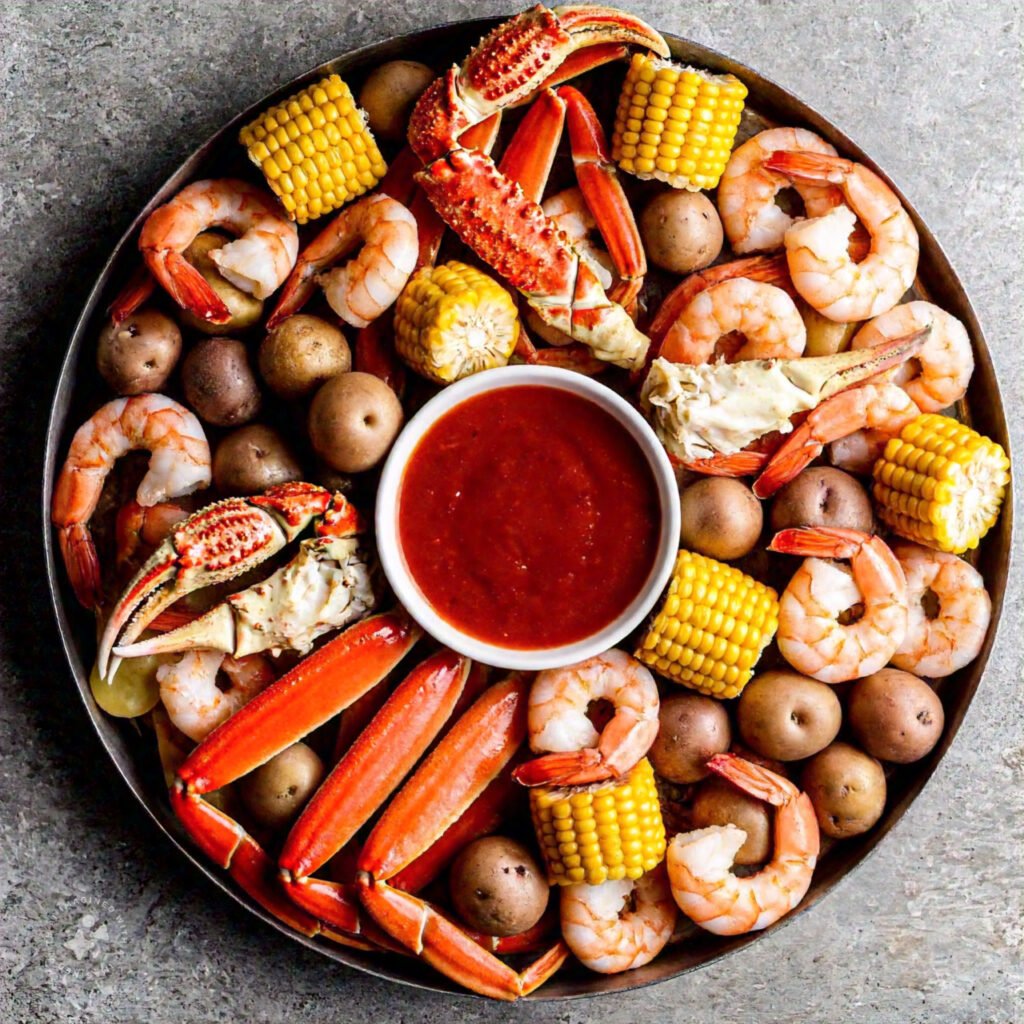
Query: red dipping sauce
528, 517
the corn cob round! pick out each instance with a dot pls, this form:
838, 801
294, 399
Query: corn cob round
941, 483
452, 321
676, 124
315, 150
600, 833
715, 623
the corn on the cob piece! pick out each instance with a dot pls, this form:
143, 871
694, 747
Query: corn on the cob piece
676, 124
600, 833
453, 320
941, 483
315, 149
711, 630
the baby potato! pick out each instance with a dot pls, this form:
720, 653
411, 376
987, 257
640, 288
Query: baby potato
718, 802
822, 496
787, 716
721, 518
681, 231
847, 789
275, 792
693, 728
219, 382
353, 420
138, 354
388, 95
245, 309
497, 887
302, 352
895, 715
824, 337
251, 459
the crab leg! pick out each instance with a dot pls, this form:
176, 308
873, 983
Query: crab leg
530, 154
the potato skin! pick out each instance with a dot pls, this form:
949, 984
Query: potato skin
300, 353
847, 789
822, 496
895, 715
138, 354
721, 518
219, 382
251, 459
245, 309
681, 231
389, 93
353, 420
693, 729
718, 802
276, 791
497, 887
787, 716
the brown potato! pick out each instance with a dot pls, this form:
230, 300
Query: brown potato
138, 354
388, 95
219, 382
847, 789
245, 309
353, 421
497, 887
251, 459
275, 792
824, 337
721, 518
693, 729
302, 352
787, 716
718, 802
681, 231
822, 496
895, 716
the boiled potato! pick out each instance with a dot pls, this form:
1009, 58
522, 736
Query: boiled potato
693, 728
389, 93
251, 459
718, 802
219, 382
353, 421
681, 231
721, 518
302, 352
847, 789
895, 715
497, 887
277, 791
824, 337
138, 354
787, 716
133, 691
822, 496
245, 309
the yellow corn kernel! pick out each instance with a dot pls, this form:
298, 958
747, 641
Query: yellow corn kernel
713, 626
315, 150
941, 483
688, 119
614, 828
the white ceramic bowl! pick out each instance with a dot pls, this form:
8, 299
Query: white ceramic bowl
405, 587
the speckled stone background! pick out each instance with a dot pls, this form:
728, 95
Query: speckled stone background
100, 922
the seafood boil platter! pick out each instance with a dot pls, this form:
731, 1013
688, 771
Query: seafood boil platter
527, 506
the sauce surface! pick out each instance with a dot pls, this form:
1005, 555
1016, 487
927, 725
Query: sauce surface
528, 517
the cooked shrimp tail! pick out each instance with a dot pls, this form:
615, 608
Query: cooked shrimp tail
818, 541
742, 463
137, 289
82, 563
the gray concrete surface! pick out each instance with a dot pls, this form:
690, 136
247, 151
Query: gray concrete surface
100, 922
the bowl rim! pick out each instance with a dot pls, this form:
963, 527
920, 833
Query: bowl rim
386, 514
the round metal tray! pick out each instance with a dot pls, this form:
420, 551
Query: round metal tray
220, 155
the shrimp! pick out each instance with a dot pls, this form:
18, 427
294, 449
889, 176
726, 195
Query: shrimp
811, 636
700, 862
941, 369
884, 409
137, 527
179, 466
195, 703
557, 720
817, 251
941, 643
752, 220
569, 210
766, 316
257, 262
367, 285
616, 926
